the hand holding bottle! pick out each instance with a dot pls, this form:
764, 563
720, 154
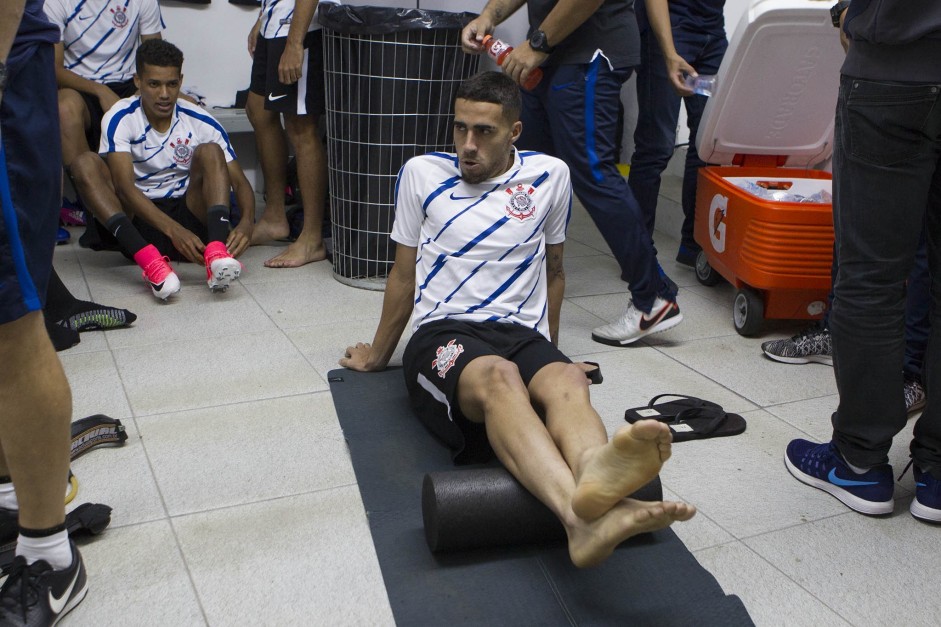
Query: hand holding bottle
499, 50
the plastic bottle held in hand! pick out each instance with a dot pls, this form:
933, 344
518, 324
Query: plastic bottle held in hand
498, 51
703, 84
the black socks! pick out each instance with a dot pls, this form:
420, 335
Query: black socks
66, 315
128, 237
217, 223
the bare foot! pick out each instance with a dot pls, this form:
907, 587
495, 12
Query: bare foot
613, 471
266, 230
297, 254
590, 543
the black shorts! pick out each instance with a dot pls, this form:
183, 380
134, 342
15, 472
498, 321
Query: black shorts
305, 97
434, 359
29, 125
177, 210
123, 89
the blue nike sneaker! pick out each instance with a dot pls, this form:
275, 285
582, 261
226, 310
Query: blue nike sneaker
822, 466
927, 502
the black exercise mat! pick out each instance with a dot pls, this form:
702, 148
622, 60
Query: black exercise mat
650, 580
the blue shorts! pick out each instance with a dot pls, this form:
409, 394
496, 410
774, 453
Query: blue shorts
30, 182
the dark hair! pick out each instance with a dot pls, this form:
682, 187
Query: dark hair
159, 53
495, 87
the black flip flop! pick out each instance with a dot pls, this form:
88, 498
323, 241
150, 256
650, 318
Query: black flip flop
667, 409
689, 418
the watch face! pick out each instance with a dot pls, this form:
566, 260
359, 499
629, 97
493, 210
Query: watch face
538, 41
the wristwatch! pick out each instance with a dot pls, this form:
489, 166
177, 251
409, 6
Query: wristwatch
3, 75
538, 42
837, 10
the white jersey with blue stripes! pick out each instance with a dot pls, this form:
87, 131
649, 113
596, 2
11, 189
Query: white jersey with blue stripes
100, 37
161, 160
482, 247
276, 16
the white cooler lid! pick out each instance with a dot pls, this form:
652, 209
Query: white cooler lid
777, 86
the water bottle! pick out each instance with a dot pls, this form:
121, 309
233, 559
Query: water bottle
498, 51
704, 84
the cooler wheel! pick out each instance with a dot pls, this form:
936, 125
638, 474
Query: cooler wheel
704, 272
748, 312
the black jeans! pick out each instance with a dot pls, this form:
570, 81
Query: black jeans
887, 185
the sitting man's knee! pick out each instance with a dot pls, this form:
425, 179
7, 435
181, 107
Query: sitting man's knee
87, 166
504, 376
209, 151
557, 380
71, 107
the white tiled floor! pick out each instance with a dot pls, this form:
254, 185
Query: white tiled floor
235, 502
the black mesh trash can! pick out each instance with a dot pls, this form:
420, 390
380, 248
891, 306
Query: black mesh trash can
391, 76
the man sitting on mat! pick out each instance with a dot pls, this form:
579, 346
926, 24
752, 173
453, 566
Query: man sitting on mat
478, 267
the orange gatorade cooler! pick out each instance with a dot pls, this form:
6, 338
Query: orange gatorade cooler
763, 216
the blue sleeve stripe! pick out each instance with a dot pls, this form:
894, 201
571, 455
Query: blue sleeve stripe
448, 157
78, 9
542, 179
116, 119
398, 180
211, 121
446, 185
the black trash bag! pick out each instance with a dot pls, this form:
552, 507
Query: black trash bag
391, 76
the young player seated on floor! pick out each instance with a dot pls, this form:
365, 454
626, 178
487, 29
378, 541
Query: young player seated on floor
478, 268
172, 169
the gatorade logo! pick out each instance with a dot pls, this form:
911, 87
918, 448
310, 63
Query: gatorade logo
717, 212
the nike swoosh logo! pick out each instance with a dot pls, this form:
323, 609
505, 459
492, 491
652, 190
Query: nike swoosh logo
272, 97
116, 230
56, 604
453, 197
146, 147
646, 323
562, 86
847, 483
85, 17
223, 219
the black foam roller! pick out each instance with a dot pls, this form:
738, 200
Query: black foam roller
487, 507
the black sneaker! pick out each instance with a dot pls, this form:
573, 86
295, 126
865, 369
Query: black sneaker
38, 596
915, 397
810, 345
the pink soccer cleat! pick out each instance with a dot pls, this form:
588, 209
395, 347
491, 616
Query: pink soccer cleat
221, 267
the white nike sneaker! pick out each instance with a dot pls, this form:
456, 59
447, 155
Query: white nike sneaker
634, 324
162, 279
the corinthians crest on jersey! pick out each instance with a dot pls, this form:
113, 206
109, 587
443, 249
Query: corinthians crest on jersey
521, 205
182, 151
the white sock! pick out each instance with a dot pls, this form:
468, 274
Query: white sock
54, 549
856, 469
8, 496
